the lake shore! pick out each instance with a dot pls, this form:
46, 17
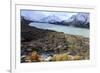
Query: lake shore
60, 28
40, 44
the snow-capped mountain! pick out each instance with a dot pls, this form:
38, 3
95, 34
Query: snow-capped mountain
51, 19
78, 20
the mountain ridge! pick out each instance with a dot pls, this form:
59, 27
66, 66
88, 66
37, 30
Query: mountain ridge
79, 20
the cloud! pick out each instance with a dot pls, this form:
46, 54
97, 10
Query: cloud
37, 15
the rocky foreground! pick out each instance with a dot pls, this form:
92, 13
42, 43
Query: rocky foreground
39, 45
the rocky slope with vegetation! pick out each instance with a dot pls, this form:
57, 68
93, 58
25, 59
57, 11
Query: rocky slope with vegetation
37, 43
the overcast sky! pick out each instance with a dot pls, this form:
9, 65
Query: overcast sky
37, 15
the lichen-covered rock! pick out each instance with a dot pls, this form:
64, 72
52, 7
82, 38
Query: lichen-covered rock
60, 57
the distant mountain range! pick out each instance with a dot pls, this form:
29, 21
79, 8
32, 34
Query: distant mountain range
79, 20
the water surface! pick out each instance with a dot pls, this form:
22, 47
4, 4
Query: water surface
60, 28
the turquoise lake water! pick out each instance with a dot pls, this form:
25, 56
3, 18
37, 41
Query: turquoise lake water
60, 28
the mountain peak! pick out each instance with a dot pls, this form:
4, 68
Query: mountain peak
51, 19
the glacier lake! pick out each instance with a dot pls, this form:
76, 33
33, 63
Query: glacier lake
60, 28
